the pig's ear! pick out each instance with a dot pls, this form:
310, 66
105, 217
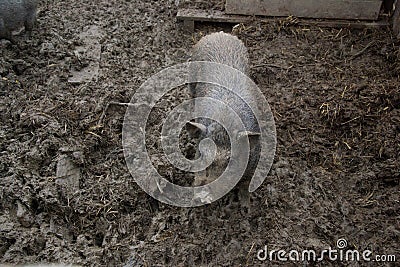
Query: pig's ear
195, 128
249, 134
253, 136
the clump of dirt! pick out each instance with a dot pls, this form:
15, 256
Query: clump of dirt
336, 101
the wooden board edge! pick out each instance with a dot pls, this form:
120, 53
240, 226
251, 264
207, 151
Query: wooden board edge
316, 9
396, 20
189, 16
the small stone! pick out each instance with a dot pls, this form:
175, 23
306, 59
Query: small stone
25, 218
68, 175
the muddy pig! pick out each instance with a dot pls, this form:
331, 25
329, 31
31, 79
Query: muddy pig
229, 50
14, 14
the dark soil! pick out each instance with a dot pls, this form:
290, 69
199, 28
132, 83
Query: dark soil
336, 101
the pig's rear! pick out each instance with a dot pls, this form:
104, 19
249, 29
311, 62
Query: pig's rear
14, 14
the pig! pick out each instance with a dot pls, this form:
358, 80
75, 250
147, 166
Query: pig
225, 49
14, 14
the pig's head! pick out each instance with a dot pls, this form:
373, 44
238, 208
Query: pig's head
218, 134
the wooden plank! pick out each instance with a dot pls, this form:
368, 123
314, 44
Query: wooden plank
330, 9
209, 16
189, 16
396, 20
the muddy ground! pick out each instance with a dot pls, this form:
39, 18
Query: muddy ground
336, 101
